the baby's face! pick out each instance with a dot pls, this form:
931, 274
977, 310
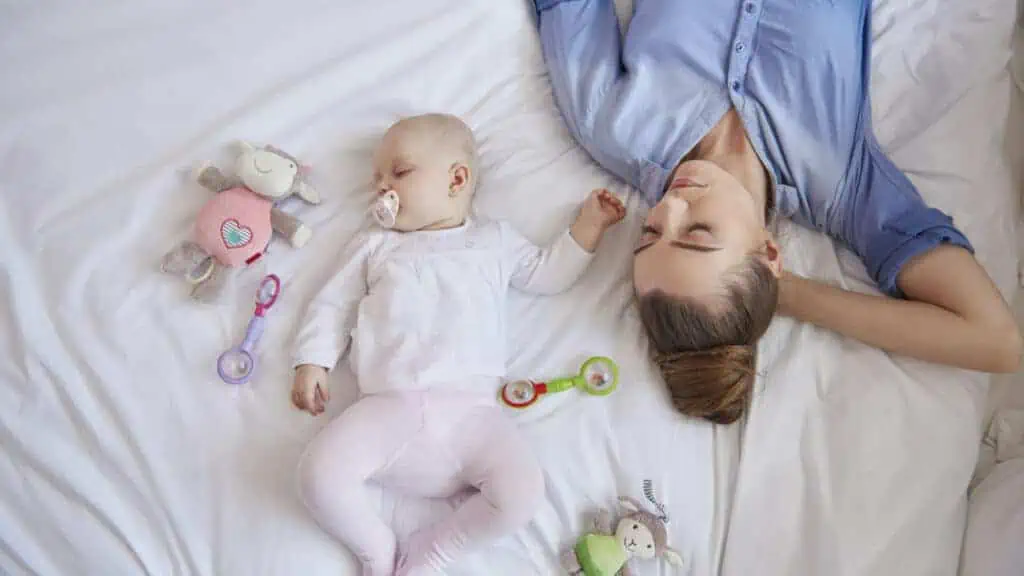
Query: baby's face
422, 170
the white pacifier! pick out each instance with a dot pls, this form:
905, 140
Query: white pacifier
385, 209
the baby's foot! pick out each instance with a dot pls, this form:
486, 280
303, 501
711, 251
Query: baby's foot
418, 557
380, 564
377, 568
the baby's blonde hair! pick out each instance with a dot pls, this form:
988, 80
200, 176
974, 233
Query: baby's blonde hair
449, 129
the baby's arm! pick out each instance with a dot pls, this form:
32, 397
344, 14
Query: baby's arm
554, 269
324, 332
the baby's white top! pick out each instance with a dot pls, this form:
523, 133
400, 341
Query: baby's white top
428, 309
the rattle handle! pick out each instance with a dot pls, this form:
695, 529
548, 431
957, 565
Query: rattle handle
561, 384
253, 333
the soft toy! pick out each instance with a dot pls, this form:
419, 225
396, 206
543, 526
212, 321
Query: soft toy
638, 534
234, 227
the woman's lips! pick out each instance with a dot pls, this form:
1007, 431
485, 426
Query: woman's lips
684, 182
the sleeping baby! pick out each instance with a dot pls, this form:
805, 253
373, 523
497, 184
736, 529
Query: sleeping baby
423, 295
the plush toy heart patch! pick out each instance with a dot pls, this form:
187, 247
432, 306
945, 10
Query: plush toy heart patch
234, 234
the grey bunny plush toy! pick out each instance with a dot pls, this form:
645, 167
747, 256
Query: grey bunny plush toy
234, 227
609, 548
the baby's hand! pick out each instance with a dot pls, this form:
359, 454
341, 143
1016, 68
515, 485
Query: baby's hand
309, 392
603, 209
600, 210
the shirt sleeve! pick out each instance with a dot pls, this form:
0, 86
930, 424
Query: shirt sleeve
888, 223
548, 270
328, 321
601, 105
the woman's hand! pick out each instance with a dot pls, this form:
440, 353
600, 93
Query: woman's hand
601, 210
309, 391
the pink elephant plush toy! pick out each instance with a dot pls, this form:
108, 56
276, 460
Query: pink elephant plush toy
234, 227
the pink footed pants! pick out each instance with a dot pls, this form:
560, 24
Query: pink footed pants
427, 443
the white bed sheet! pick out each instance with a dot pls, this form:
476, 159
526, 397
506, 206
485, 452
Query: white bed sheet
123, 452
995, 515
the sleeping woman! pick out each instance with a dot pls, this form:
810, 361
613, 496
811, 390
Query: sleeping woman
727, 115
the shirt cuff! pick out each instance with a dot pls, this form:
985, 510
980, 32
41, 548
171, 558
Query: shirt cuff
905, 238
316, 355
573, 250
575, 259
543, 5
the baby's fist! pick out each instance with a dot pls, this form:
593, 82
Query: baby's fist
309, 391
604, 208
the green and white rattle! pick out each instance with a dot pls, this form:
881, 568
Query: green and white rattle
598, 376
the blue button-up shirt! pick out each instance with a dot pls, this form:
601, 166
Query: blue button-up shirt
797, 73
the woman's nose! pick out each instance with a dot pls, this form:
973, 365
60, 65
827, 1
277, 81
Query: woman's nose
672, 212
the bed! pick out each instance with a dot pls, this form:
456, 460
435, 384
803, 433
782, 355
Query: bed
995, 512
123, 453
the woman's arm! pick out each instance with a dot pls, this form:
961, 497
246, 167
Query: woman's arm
582, 49
953, 313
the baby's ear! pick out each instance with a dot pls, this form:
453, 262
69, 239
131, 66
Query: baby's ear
460, 176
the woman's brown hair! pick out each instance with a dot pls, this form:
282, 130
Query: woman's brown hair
707, 353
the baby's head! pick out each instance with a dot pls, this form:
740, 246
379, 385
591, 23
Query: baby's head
427, 163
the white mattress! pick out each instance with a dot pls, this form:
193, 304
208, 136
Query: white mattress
124, 453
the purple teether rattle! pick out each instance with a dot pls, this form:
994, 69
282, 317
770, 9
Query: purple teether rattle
236, 365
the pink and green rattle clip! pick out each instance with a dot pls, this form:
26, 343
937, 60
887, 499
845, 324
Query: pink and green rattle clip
598, 376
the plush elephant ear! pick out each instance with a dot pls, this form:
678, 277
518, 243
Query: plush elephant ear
279, 152
305, 191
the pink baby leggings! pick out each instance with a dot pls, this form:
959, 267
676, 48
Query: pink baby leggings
433, 444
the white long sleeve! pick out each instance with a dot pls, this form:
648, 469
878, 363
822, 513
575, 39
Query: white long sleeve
427, 309
549, 270
331, 316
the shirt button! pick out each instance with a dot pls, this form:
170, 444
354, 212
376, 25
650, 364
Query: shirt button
749, 7
735, 85
739, 47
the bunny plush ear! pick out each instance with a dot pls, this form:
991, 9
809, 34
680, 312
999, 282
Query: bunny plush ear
673, 557
629, 504
243, 146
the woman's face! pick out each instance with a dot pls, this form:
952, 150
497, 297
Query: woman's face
706, 224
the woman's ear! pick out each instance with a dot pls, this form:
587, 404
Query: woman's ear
772, 256
459, 179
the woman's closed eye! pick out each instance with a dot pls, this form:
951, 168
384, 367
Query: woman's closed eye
696, 238
700, 232
401, 172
